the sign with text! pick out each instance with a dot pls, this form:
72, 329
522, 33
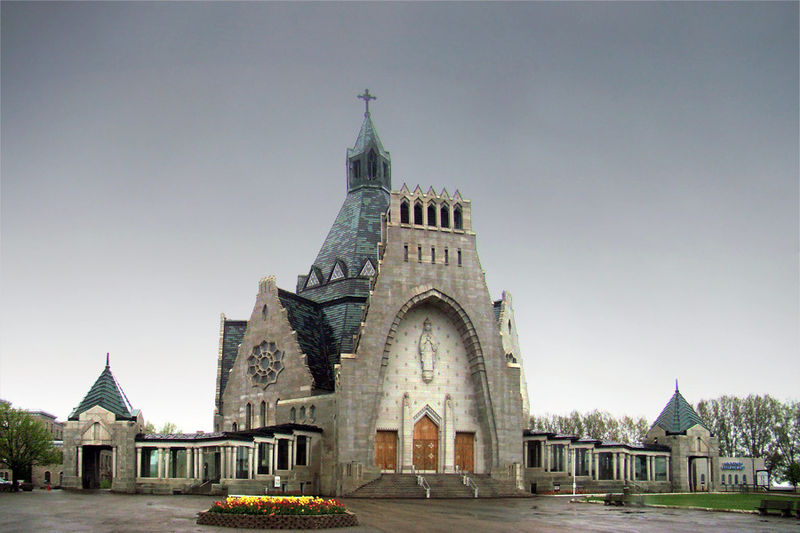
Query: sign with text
277, 483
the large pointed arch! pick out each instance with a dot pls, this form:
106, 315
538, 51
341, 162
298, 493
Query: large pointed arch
427, 295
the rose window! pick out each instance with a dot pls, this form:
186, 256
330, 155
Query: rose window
265, 363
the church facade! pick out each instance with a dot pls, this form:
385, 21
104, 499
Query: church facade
390, 343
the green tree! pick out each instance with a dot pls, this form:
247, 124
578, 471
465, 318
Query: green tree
24, 442
168, 427
792, 474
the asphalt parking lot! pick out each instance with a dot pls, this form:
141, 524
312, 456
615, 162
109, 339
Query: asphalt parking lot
103, 511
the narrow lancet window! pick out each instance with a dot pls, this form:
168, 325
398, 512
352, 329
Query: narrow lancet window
444, 216
458, 222
404, 212
418, 214
431, 214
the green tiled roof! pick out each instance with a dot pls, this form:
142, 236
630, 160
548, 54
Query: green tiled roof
106, 393
678, 415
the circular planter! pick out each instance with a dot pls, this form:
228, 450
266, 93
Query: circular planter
249, 521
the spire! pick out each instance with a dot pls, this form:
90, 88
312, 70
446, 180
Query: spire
368, 163
107, 365
676, 385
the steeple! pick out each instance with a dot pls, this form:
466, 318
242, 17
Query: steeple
368, 163
678, 415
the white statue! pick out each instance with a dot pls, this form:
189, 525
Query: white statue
427, 350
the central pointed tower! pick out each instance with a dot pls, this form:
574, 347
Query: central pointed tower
339, 278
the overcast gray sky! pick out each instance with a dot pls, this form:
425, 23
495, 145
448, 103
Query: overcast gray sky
633, 171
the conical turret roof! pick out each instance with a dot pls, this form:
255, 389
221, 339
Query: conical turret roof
106, 393
678, 415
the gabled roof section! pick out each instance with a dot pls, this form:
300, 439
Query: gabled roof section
314, 335
678, 415
232, 334
368, 136
106, 393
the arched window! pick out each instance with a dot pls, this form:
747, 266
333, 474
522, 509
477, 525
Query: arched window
263, 413
385, 169
372, 161
248, 416
312, 413
302, 413
356, 169
744, 479
444, 216
47, 477
736, 479
264, 311
431, 214
418, 214
404, 212
509, 326
235, 427
458, 222
293, 415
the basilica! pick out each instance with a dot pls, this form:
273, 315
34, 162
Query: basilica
389, 357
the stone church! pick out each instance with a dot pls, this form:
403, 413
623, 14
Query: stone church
389, 357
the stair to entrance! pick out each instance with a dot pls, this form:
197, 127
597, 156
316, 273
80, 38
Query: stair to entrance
390, 486
442, 486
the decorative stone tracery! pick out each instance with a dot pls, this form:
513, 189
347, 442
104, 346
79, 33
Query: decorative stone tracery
265, 363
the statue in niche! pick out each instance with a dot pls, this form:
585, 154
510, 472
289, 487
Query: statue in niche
427, 350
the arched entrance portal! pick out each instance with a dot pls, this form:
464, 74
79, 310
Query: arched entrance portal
426, 445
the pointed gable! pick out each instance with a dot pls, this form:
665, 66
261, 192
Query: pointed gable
678, 415
107, 394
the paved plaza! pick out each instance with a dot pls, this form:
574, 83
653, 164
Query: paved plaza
103, 511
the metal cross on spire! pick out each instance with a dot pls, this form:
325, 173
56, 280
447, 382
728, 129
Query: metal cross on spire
367, 97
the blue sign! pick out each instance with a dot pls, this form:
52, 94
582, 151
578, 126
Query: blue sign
731, 465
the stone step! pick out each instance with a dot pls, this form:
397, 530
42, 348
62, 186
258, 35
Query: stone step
442, 486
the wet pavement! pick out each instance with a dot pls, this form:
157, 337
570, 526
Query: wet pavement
102, 511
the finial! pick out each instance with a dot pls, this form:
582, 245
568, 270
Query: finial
367, 97
676, 384
107, 360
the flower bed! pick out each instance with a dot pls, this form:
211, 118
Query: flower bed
278, 512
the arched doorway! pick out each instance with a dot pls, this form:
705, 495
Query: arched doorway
426, 445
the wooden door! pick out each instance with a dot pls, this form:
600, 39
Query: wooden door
426, 445
386, 450
465, 451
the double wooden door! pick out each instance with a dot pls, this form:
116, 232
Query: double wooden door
465, 451
426, 445
386, 450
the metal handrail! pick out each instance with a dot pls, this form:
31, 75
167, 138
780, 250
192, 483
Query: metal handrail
424, 484
470, 483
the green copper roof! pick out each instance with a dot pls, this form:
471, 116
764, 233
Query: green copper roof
368, 135
106, 393
678, 415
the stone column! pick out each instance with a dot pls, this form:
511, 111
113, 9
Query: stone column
80, 465
223, 461
138, 462
167, 463
160, 463
189, 458
614, 465
449, 436
250, 456
275, 456
590, 457
649, 469
406, 437
546, 450
113, 463
669, 478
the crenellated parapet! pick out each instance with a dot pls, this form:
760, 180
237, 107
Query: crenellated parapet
430, 211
